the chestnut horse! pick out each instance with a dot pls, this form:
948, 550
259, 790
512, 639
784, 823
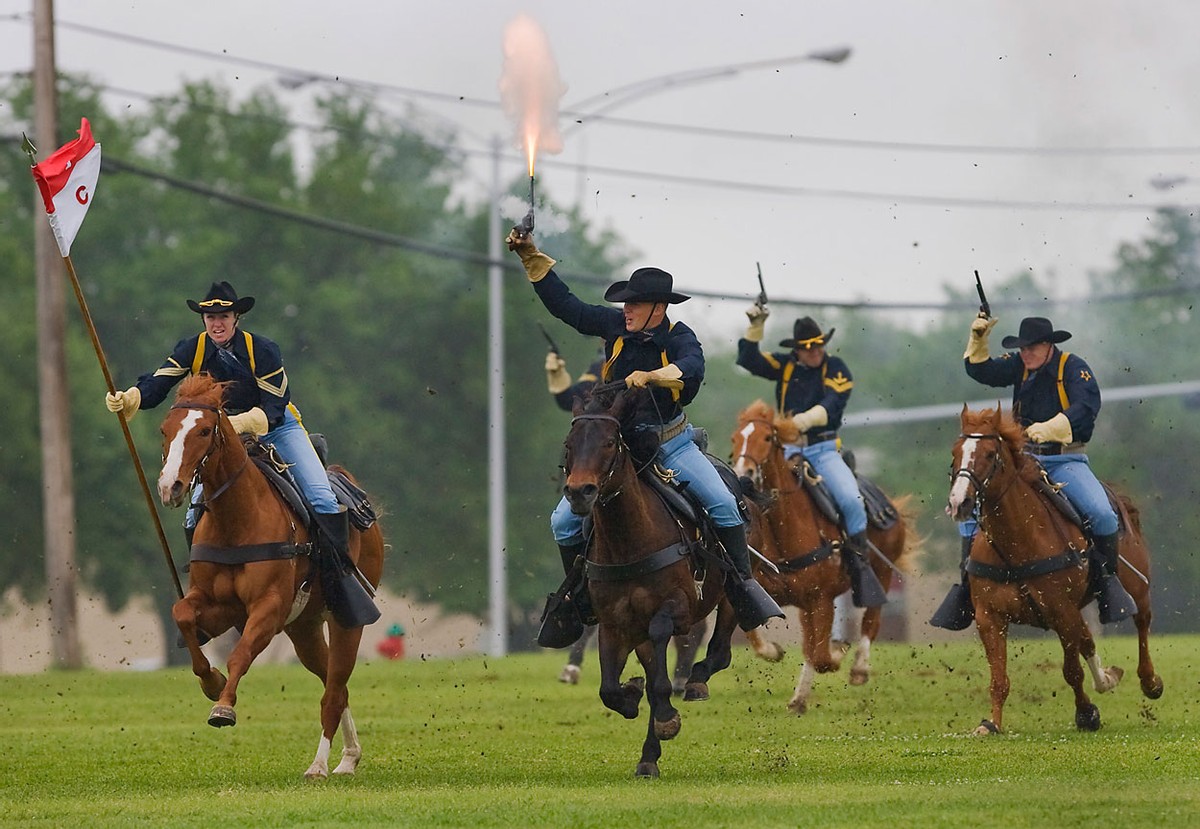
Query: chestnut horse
805, 545
1029, 564
639, 573
259, 597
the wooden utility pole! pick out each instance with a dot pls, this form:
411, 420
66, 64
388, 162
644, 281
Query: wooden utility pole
58, 495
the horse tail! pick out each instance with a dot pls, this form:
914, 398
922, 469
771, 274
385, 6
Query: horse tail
914, 542
1132, 513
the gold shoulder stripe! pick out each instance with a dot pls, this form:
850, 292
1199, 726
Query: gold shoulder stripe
839, 383
172, 370
770, 358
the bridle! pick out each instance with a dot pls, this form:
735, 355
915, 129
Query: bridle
773, 439
217, 441
981, 484
616, 458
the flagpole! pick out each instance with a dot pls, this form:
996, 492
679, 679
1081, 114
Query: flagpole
133, 453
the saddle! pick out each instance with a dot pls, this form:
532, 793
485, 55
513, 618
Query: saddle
358, 505
881, 513
1053, 493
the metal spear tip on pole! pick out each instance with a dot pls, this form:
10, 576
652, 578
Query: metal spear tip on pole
28, 148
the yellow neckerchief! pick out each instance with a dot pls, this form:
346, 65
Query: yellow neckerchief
606, 372
787, 375
1062, 387
198, 359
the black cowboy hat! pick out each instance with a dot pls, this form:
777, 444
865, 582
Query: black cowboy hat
807, 334
645, 285
221, 297
1035, 330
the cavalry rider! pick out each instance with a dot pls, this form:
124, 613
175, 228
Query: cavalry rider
258, 402
1055, 399
812, 387
559, 384
642, 345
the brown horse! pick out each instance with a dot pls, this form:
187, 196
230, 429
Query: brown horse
640, 575
1029, 566
259, 597
805, 545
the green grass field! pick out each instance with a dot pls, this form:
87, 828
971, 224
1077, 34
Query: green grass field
500, 743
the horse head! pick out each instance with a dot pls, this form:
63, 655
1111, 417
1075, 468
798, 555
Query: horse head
191, 433
987, 450
596, 452
753, 440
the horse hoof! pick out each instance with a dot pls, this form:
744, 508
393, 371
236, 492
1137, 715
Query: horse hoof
1152, 688
213, 684
678, 686
667, 729
858, 677
222, 715
772, 654
695, 692
986, 728
1087, 718
569, 675
646, 771
798, 706
316, 772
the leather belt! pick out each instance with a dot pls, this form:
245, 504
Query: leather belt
1055, 448
673, 429
813, 438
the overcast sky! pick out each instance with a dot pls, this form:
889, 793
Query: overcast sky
959, 135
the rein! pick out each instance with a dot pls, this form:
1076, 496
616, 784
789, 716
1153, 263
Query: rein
218, 441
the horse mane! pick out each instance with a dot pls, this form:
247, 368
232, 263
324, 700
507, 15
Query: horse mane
201, 388
1011, 433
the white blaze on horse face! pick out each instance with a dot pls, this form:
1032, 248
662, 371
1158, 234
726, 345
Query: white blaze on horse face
170, 469
958, 491
740, 464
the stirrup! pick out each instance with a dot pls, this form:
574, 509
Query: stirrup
956, 612
1113, 601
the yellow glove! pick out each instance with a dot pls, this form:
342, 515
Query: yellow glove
537, 264
977, 342
758, 319
811, 418
253, 422
660, 376
1055, 430
128, 401
557, 378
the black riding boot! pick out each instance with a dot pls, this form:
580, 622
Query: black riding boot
865, 587
345, 595
751, 604
568, 608
956, 612
1113, 601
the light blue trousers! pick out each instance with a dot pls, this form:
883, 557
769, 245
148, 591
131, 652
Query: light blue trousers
840, 480
682, 455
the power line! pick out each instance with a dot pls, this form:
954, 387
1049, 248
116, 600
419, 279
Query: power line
302, 76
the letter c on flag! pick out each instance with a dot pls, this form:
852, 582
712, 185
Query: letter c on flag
81, 194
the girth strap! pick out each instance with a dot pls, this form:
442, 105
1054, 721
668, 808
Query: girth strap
1041, 567
807, 560
244, 553
635, 569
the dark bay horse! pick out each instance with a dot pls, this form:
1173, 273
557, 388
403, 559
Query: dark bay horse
244, 515
1028, 563
804, 544
641, 579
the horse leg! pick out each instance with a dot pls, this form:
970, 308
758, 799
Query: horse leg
1152, 684
1075, 637
815, 624
1104, 679
716, 658
335, 702
686, 648
261, 627
994, 636
186, 613
763, 647
653, 656
860, 671
622, 698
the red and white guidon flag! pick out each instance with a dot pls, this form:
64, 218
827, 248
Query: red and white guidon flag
67, 180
